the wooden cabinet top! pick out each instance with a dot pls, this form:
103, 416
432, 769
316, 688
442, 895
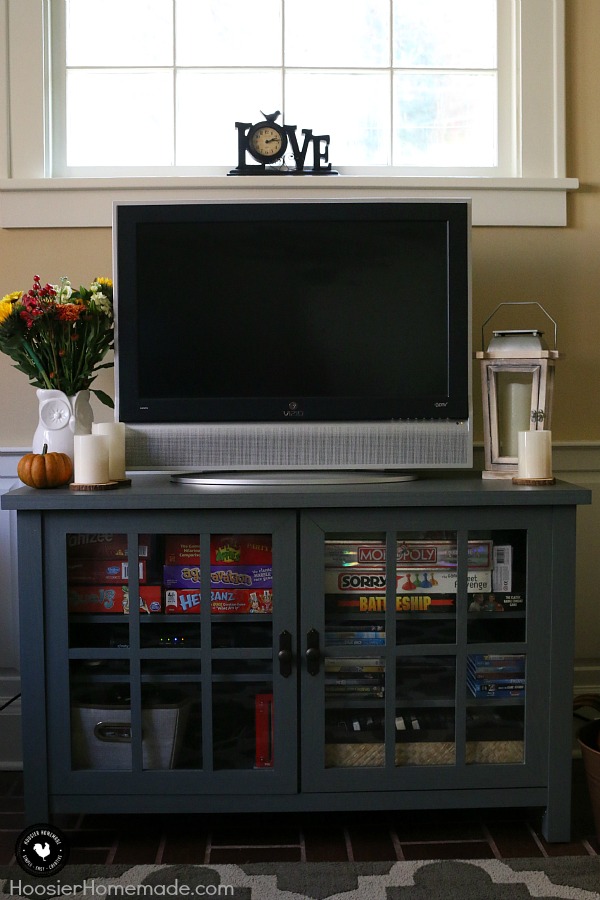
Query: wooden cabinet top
157, 491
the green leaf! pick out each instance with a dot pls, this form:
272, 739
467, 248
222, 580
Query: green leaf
103, 397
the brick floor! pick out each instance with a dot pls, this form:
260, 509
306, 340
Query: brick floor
358, 837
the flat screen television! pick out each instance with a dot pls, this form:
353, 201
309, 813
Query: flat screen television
294, 335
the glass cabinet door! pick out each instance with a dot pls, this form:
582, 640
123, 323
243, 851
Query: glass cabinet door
422, 639
402, 671
497, 655
160, 679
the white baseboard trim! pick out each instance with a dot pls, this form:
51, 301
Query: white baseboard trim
586, 677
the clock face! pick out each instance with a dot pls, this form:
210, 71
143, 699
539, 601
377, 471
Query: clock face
267, 142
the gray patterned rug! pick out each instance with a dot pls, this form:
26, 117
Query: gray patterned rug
576, 878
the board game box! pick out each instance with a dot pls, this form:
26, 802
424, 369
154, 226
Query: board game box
409, 554
112, 598
365, 581
233, 549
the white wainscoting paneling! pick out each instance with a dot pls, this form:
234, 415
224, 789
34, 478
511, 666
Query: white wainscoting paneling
10, 684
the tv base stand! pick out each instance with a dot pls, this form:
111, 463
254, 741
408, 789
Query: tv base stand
266, 477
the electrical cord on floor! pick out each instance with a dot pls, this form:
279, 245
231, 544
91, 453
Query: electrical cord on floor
8, 702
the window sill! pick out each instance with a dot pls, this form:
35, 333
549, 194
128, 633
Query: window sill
87, 202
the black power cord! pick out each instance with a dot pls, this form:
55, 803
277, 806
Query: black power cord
8, 702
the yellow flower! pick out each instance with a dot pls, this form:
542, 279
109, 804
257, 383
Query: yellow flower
12, 298
6, 304
105, 282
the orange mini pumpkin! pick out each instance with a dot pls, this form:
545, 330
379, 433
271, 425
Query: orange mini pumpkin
45, 470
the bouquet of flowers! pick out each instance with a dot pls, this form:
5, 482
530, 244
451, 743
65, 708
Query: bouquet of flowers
58, 336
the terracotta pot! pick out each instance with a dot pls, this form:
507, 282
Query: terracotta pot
589, 741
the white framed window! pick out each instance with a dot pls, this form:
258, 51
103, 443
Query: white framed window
106, 96
412, 86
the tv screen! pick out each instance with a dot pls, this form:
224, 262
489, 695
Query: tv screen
313, 311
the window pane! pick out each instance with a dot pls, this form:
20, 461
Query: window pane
113, 33
209, 105
328, 34
326, 63
445, 34
228, 33
352, 109
445, 120
119, 118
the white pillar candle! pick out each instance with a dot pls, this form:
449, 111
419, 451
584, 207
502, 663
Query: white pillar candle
115, 433
91, 459
535, 454
514, 402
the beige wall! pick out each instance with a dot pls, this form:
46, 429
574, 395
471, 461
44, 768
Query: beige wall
558, 267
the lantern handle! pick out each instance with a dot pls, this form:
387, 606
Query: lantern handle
517, 303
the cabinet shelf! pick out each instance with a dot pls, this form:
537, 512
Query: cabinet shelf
231, 618
425, 702
171, 653
171, 678
100, 678
496, 616
480, 702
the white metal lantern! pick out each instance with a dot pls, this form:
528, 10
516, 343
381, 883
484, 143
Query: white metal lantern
517, 383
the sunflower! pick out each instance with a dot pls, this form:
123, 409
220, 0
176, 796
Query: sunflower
7, 304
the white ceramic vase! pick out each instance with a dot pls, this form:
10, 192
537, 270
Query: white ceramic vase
60, 418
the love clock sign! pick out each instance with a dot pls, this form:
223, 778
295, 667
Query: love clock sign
267, 142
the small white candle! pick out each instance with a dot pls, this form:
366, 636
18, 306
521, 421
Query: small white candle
91, 459
115, 433
535, 454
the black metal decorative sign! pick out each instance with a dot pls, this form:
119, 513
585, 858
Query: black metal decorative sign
267, 142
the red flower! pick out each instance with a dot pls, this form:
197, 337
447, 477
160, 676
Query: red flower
68, 312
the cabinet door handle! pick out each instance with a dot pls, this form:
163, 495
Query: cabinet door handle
113, 732
313, 655
285, 654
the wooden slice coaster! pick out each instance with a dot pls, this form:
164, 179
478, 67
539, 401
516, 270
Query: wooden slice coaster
536, 482
106, 486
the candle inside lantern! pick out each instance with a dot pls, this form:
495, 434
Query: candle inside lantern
535, 454
115, 435
91, 459
514, 410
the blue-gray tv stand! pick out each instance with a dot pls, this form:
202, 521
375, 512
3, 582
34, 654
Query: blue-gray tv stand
366, 646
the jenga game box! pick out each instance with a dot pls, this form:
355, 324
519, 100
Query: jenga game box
113, 599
